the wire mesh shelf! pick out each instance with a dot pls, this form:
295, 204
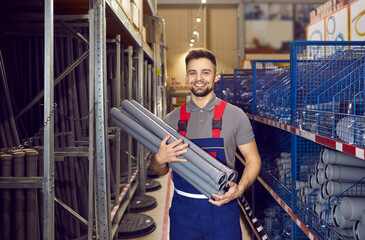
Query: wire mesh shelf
272, 86
236, 88
328, 82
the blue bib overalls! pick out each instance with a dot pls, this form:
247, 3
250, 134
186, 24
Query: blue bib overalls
192, 216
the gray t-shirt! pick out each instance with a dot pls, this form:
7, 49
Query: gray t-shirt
236, 127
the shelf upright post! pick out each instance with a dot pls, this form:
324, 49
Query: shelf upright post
140, 98
48, 179
254, 89
117, 134
294, 138
149, 87
102, 200
130, 97
91, 213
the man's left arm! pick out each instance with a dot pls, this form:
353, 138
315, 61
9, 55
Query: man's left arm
252, 169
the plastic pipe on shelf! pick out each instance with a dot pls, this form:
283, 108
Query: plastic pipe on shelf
352, 207
319, 165
313, 183
359, 230
339, 158
205, 186
218, 176
320, 177
300, 184
344, 173
346, 232
231, 174
336, 188
338, 220
320, 198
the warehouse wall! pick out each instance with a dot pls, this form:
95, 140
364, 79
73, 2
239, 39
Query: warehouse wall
217, 32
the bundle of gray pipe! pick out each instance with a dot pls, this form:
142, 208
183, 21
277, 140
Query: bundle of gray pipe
203, 171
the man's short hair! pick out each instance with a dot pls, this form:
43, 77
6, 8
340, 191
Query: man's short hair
197, 53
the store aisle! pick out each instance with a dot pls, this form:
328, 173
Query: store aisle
160, 213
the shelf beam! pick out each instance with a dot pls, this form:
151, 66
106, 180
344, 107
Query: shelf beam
331, 143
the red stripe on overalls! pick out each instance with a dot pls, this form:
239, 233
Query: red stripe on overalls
184, 119
218, 114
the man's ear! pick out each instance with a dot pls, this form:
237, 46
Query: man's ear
217, 77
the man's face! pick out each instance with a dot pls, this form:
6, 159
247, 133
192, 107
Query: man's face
201, 76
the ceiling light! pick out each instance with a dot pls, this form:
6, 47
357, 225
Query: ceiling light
192, 40
198, 19
195, 32
191, 44
204, 1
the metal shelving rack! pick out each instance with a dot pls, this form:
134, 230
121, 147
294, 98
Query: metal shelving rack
301, 99
103, 215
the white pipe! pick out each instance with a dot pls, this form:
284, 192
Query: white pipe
338, 220
319, 165
324, 193
336, 188
339, 158
352, 207
285, 155
313, 183
320, 177
320, 199
359, 230
300, 184
346, 232
318, 208
344, 173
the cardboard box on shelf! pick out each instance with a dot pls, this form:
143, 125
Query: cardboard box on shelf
126, 6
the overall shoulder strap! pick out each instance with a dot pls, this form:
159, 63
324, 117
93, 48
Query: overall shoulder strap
184, 119
217, 118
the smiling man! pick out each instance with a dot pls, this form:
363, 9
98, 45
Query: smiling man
220, 127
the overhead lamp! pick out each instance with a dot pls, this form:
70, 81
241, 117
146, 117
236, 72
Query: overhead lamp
204, 1
198, 19
191, 44
195, 32
192, 40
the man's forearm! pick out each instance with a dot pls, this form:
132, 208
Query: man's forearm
159, 169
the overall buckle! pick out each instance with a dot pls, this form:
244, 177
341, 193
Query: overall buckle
217, 123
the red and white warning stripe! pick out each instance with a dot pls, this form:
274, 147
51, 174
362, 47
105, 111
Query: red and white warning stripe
288, 210
334, 144
121, 195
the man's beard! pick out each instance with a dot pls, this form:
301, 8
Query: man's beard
204, 93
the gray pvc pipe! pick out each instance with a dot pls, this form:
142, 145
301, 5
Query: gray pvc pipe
344, 173
313, 183
319, 165
359, 230
320, 177
6, 214
363, 218
352, 207
150, 141
31, 157
320, 198
346, 232
336, 188
19, 196
217, 175
209, 170
339, 158
338, 220
300, 184
231, 174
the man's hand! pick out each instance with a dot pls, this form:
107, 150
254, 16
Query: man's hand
233, 192
168, 153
